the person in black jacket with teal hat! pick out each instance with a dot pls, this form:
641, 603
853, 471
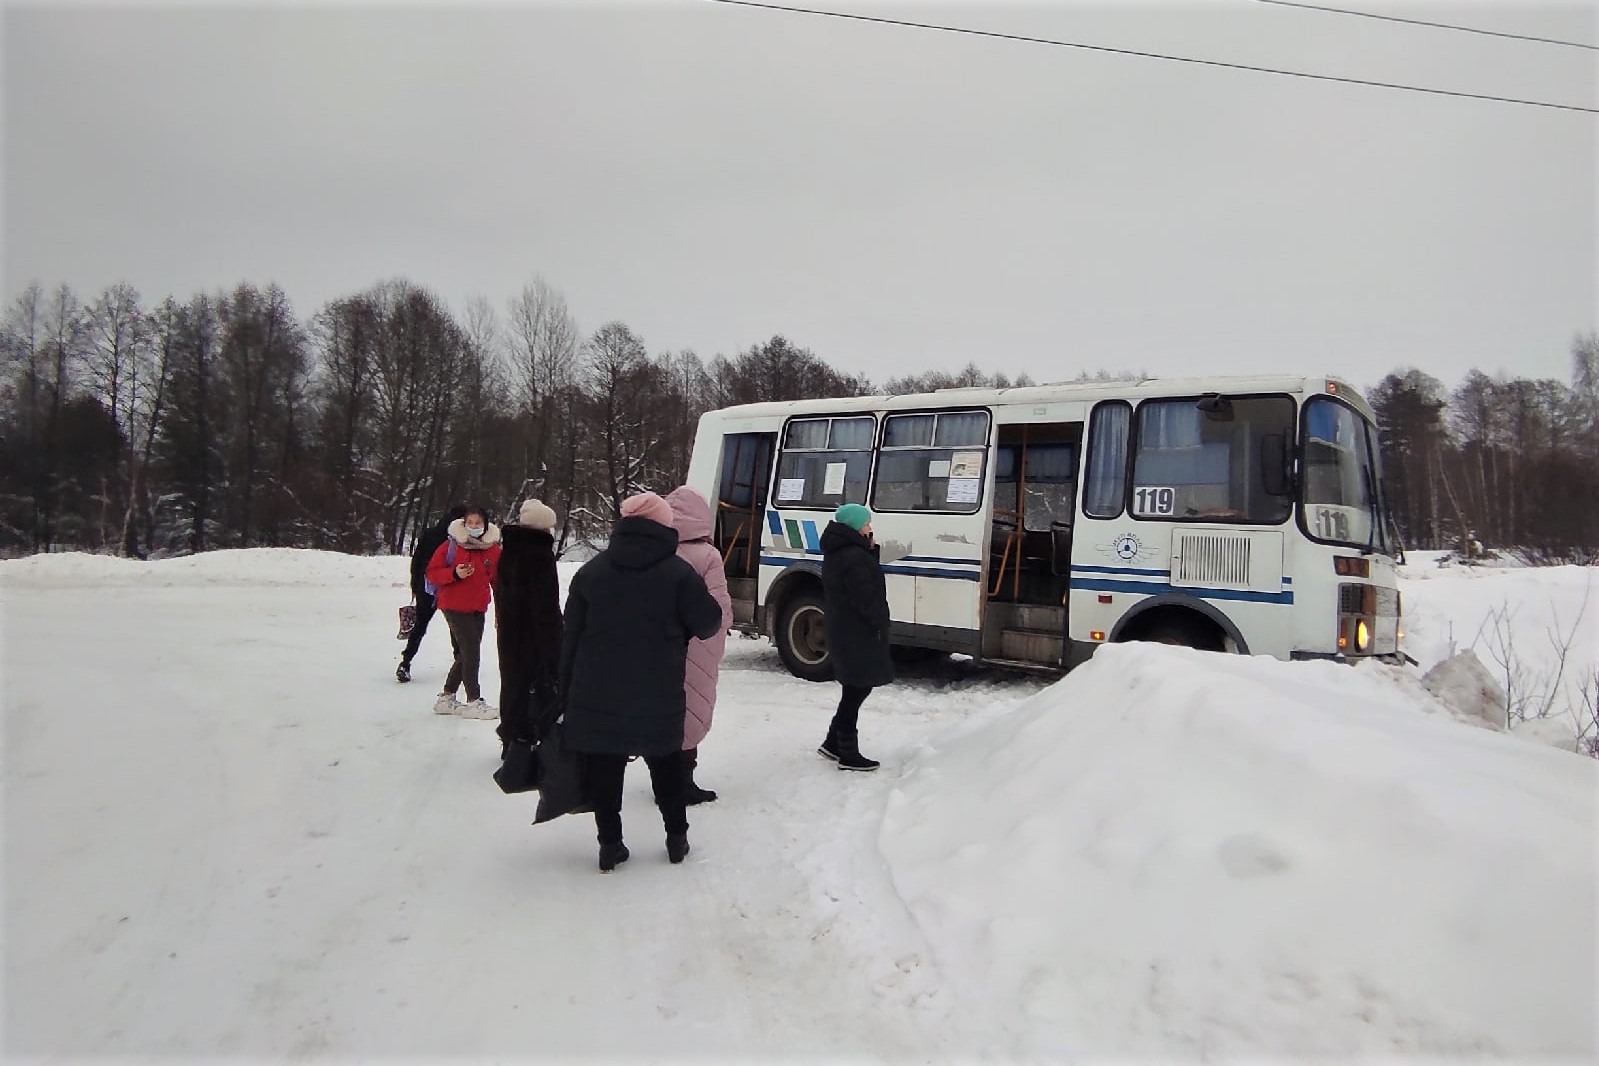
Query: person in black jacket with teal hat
855, 609
630, 613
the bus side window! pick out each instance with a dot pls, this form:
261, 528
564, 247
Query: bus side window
1105, 483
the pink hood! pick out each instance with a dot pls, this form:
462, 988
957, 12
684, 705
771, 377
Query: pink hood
691, 514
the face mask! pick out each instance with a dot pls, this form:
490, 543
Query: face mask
475, 531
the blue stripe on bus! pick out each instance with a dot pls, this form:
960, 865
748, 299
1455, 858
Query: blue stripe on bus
811, 543
939, 559
774, 523
888, 568
1080, 569
1134, 571
1150, 588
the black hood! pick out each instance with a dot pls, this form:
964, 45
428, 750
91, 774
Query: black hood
637, 543
837, 535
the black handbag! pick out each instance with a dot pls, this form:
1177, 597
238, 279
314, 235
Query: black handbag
520, 770
560, 777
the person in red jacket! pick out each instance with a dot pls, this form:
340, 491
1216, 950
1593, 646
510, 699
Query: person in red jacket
463, 570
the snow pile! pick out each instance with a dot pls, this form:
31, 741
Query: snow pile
1173, 852
1464, 684
1535, 629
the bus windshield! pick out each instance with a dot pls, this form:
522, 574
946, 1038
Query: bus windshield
1342, 502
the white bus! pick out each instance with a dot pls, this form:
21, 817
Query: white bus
1026, 526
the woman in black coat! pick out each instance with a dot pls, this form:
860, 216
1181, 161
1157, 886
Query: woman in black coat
527, 620
629, 615
855, 607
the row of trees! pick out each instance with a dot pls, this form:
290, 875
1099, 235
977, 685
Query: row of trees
1512, 459
230, 421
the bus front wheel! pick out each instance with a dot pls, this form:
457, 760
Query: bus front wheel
801, 637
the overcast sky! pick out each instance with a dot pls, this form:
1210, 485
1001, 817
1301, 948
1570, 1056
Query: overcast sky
893, 199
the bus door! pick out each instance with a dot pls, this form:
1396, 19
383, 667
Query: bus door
1030, 542
741, 515
928, 504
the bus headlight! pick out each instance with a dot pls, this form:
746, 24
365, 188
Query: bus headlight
1362, 635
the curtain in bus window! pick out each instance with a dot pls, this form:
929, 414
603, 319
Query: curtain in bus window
962, 429
852, 433
1107, 460
908, 431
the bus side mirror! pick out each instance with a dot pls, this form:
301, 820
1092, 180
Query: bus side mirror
1275, 474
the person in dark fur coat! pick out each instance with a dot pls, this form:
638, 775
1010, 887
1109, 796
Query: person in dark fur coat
527, 613
630, 613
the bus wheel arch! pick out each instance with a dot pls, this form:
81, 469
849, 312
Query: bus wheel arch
795, 609
1182, 620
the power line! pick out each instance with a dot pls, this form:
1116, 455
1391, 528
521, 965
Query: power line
1154, 55
1433, 25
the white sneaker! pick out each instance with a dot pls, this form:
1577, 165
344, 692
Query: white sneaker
478, 708
445, 703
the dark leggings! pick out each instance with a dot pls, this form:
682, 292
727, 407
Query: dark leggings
425, 606
602, 785
845, 719
466, 632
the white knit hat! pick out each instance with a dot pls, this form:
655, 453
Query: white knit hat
535, 515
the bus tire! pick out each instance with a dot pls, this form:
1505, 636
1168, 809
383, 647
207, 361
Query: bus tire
1183, 634
801, 637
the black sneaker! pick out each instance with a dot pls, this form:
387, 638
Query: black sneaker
676, 847
402, 673
612, 856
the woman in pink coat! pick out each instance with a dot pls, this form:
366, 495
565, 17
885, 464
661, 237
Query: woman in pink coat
691, 517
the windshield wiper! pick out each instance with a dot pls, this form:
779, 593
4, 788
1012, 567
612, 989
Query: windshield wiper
1374, 506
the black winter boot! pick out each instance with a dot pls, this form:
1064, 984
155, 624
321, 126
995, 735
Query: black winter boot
829, 748
676, 847
693, 794
612, 856
402, 673
849, 754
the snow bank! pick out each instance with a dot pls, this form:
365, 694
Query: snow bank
1172, 852
242, 568
1519, 621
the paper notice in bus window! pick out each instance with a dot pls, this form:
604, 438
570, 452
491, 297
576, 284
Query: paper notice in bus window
833, 484
966, 465
938, 468
791, 488
963, 490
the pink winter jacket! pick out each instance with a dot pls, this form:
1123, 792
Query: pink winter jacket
691, 517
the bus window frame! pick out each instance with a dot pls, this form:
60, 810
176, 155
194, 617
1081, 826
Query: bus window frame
1374, 449
773, 503
1135, 440
1127, 463
879, 448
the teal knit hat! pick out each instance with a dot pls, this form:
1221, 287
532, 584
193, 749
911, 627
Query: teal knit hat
853, 515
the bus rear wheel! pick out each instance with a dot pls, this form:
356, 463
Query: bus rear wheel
801, 637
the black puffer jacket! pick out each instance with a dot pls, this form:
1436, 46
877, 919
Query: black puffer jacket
855, 603
629, 615
527, 614
426, 545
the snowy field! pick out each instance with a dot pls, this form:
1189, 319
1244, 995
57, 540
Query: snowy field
229, 832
